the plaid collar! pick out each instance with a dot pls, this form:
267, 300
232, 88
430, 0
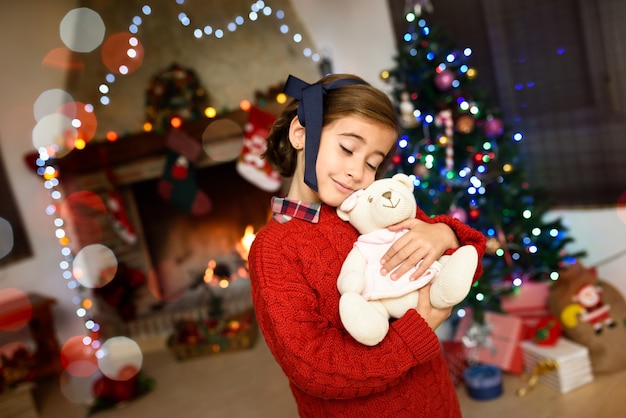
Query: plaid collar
284, 210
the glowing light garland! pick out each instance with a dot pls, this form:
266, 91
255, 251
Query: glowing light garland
258, 9
83, 304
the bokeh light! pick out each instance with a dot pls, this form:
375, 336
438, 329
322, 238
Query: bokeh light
15, 309
78, 389
49, 101
63, 59
120, 358
222, 140
82, 30
122, 53
55, 133
94, 266
83, 118
78, 358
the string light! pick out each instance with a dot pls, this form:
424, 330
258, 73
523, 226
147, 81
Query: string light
258, 9
83, 303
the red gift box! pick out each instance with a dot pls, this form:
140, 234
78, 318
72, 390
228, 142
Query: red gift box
502, 348
547, 331
454, 353
529, 302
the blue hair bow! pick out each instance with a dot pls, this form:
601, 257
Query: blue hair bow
311, 116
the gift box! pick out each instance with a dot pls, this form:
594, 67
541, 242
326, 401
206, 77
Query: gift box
529, 302
454, 353
572, 368
483, 382
546, 331
499, 346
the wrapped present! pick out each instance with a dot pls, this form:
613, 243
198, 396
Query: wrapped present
496, 342
483, 382
571, 366
546, 331
529, 302
454, 353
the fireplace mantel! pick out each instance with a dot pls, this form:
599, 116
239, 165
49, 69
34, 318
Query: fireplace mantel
132, 158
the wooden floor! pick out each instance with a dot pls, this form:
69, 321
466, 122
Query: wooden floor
605, 397
249, 384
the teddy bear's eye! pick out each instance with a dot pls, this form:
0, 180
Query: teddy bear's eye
370, 199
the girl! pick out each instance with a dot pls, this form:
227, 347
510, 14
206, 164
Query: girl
332, 139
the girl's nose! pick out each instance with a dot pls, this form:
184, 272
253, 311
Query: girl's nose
355, 171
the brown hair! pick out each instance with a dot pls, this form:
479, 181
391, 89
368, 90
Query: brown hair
352, 100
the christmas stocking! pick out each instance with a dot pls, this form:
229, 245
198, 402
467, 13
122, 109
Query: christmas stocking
115, 205
250, 165
178, 185
121, 223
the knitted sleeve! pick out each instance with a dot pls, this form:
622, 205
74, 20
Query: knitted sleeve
296, 301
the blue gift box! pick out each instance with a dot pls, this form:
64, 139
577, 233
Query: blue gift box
483, 382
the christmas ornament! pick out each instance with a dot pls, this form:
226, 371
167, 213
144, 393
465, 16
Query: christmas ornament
458, 213
178, 185
465, 124
444, 79
251, 165
119, 218
493, 127
115, 204
444, 118
407, 118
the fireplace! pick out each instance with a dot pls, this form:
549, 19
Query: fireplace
181, 246
174, 250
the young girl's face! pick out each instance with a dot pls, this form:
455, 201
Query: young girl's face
351, 150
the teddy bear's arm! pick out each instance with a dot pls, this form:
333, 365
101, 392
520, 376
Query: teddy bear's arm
352, 275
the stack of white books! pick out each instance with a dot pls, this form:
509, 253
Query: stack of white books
564, 366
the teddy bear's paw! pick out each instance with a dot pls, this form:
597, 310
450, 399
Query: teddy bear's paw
366, 321
454, 281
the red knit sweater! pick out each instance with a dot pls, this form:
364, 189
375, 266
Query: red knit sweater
293, 269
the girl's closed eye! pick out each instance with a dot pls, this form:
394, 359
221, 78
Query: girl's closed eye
346, 150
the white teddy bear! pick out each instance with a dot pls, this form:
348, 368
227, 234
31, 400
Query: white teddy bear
368, 299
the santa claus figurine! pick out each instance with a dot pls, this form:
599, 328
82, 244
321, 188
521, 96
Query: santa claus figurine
595, 312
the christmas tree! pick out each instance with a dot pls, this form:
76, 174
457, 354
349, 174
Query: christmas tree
466, 163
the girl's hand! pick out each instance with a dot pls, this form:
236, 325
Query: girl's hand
434, 317
424, 242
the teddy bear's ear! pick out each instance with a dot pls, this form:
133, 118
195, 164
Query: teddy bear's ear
348, 204
342, 215
404, 179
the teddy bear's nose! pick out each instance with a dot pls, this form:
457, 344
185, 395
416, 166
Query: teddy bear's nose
387, 195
